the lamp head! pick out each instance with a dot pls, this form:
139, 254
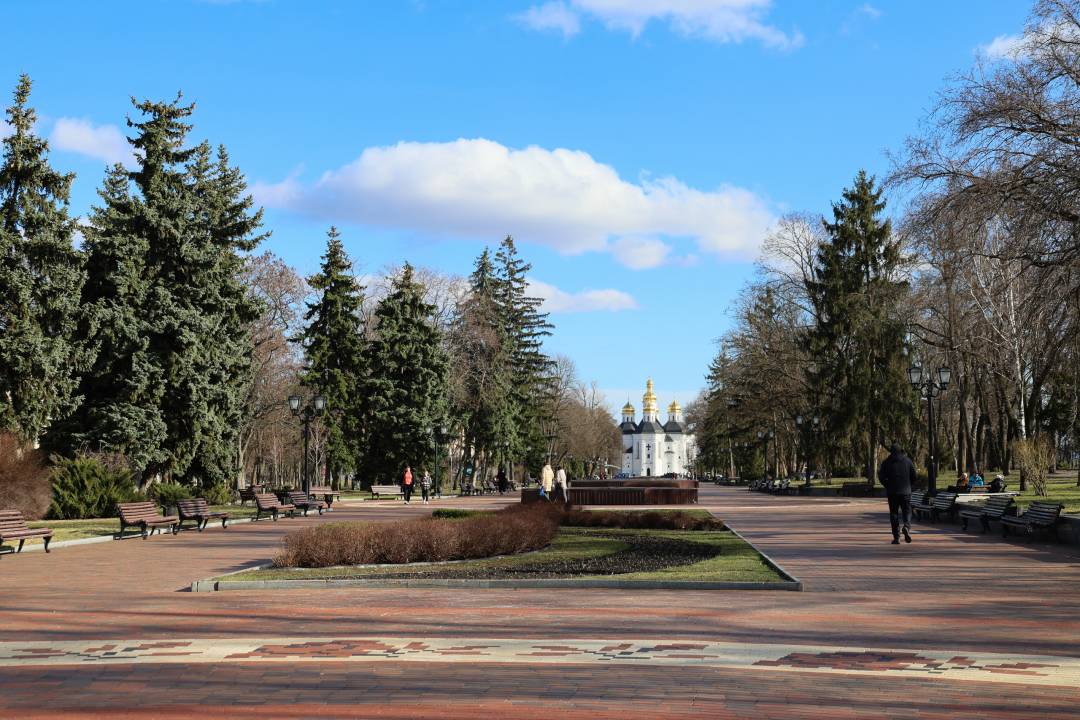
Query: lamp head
294, 403
944, 376
914, 375
320, 403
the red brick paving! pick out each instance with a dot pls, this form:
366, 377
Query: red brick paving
948, 590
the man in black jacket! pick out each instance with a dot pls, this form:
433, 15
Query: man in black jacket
897, 474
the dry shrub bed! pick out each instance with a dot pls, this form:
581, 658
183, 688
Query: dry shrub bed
518, 528
24, 478
648, 520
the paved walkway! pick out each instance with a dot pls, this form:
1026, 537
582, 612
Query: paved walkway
953, 625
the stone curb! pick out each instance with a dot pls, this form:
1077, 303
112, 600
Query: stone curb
222, 585
768, 560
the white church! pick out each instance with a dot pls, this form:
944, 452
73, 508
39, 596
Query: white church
654, 449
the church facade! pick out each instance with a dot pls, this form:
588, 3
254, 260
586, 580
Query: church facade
652, 448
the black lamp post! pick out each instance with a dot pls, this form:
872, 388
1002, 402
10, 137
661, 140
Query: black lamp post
930, 387
436, 433
316, 407
765, 436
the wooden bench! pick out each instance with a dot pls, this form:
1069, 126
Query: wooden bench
378, 490
13, 527
198, 509
994, 509
943, 504
1040, 515
300, 500
145, 516
267, 503
920, 503
248, 494
328, 494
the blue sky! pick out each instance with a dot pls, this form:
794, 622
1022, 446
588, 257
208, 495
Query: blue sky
637, 149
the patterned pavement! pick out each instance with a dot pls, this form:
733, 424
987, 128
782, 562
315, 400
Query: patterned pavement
954, 625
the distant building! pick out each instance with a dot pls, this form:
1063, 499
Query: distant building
651, 448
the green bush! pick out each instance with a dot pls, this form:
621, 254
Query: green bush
454, 513
85, 487
218, 494
167, 493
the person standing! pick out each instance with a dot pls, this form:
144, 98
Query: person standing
562, 485
425, 486
547, 480
500, 481
407, 484
897, 475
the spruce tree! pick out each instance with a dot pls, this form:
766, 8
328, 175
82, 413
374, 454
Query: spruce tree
334, 352
525, 328
41, 276
482, 355
858, 341
405, 389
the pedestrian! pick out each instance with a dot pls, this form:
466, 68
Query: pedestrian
425, 486
407, 484
561, 485
547, 481
500, 480
897, 475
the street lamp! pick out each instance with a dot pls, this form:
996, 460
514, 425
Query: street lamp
436, 433
930, 387
307, 413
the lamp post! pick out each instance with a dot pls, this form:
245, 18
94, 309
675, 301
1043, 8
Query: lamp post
307, 413
765, 436
930, 387
436, 433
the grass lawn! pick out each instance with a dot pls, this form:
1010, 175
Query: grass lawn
95, 527
738, 560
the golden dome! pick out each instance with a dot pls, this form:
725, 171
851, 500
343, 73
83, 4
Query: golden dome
674, 407
627, 409
649, 399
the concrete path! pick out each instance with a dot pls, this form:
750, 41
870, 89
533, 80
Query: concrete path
953, 625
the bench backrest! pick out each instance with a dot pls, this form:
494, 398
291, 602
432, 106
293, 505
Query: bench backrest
323, 490
1043, 512
299, 497
944, 501
385, 488
266, 500
12, 521
918, 497
138, 510
997, 505
193, 506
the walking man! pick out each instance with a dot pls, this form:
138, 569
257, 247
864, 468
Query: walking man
561, 485
897, 475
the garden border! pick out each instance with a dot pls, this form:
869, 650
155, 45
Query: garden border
791, 583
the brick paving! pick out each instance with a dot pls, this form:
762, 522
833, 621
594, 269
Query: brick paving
948, 595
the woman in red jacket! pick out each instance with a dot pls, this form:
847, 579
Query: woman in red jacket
407, 484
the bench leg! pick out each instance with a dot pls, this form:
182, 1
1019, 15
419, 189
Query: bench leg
963, 524
144, 533
223, 521
985, 524
47, 539
21, 541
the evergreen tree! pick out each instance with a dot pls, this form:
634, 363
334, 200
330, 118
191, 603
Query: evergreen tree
405, 388
858, 341
482, 365
525, 327
166, 316
41, 276
334, 352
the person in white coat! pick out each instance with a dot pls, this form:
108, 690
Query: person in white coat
562, 486
547, 480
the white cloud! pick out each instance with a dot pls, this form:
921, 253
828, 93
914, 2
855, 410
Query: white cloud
560, 198
560, 301
103, 142
869, 11
725, 21
552, 16
639, 253
1004, 47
